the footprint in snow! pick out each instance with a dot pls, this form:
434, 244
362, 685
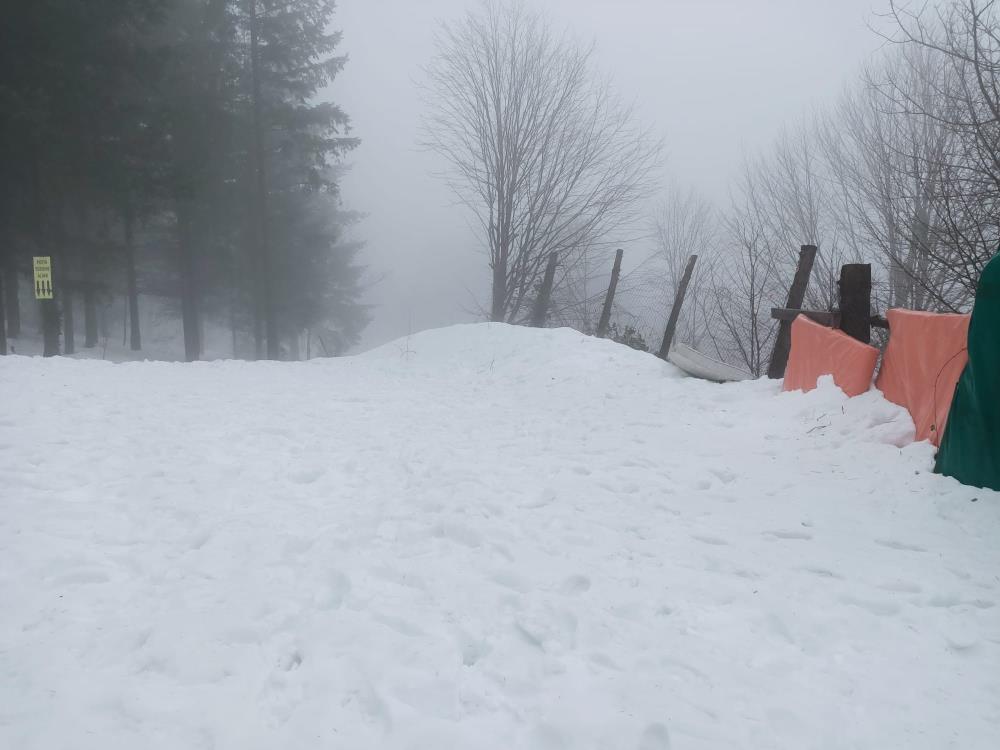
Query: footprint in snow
712, 540
510, 581
605, 662
723, 475
400, 625
307, 476
901, 587
577, 584
79, 577
789, 534
462, 535
945, 601
545, 497
881, 608
547, 737
823, 573
654, 737
333, 593
903, 546
473, 650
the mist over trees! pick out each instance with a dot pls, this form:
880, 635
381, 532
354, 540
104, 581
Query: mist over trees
183, 153
178, 150
901, 171
541, 150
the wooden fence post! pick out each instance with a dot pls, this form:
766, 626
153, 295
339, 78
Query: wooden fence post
856, 301
605, 322
675, 312
796, 295
541, 311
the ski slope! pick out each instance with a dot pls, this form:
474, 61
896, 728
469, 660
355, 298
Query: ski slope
481, 537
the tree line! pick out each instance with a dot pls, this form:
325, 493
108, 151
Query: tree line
902, 171
180, 149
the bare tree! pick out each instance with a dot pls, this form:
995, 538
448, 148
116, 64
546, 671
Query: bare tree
963, 38
685, 225
746, 283
890, 167
540, 149
791, 188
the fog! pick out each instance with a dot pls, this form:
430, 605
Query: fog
715, 79
262, 487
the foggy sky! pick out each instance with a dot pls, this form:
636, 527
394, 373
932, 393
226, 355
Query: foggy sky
715, 78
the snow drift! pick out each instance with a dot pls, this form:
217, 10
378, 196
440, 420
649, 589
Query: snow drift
481, 537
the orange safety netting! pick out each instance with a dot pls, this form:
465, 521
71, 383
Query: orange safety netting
818, 350
922, 365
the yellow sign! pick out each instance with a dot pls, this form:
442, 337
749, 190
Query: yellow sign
43, 277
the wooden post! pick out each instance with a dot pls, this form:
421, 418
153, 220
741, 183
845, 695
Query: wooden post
605, 322
796, 295
675, 312
856, 301
541, 311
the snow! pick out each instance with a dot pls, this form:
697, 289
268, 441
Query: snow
481, 537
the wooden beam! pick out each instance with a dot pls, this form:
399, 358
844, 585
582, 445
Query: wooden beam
609, 300
830, 318
675, 312
796, 294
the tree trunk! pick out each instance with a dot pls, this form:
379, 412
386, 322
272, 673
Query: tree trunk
232, 326
69, 323
265, 282
258, 332
3, 321
135, 333
541, 311
190, 313
499, 312
12, 297
50, 327
89, 316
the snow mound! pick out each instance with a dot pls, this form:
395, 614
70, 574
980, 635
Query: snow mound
481, 537
497, 347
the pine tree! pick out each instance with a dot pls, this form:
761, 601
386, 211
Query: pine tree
295, 142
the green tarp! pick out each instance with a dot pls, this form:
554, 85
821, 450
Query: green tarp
970, 450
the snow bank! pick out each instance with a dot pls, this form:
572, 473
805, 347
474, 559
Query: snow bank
481, 537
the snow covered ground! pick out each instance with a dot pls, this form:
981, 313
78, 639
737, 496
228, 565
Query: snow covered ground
481, 537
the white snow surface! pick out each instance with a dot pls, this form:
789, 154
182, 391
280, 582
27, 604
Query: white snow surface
481, 537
